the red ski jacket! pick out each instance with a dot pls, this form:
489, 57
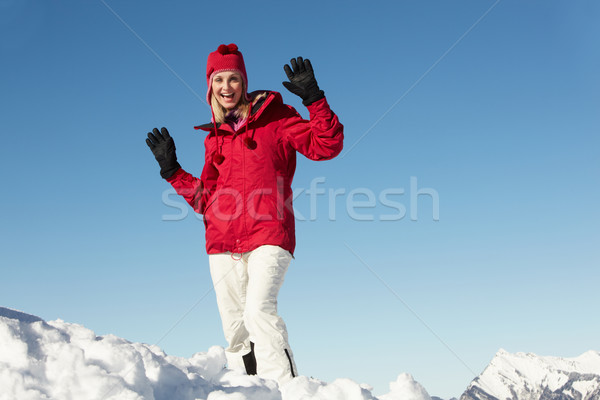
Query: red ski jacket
246, 200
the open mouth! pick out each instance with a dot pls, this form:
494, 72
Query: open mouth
227, 96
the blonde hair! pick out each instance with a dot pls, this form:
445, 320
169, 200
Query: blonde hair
241, 111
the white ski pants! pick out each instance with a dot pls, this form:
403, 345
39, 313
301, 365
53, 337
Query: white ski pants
247, 286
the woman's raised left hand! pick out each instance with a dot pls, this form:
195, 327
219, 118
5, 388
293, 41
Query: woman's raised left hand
302, 81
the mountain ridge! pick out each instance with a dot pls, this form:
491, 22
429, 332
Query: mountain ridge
527, 376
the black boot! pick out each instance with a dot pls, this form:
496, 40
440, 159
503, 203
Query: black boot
250, 361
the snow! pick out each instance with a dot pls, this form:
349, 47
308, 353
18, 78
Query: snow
60, 360
527, 373
404, 385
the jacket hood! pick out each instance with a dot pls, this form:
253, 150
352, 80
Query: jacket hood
258, 107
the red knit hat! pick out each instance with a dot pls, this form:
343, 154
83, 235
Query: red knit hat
225, 58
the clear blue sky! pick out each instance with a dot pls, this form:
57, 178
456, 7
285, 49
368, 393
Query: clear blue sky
497, 116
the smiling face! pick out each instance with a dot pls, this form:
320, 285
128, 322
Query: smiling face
227, 87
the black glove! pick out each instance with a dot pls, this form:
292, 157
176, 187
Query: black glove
302, 81
163, 148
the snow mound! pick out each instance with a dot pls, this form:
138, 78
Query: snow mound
60, 360
406, 388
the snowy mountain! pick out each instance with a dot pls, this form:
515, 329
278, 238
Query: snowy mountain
59, 360
530, 377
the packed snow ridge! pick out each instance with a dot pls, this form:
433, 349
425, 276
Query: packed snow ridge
60, 360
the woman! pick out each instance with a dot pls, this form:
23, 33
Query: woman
245, 196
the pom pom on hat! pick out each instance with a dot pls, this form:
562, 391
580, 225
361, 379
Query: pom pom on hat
227, 49
218, 158
250, 143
